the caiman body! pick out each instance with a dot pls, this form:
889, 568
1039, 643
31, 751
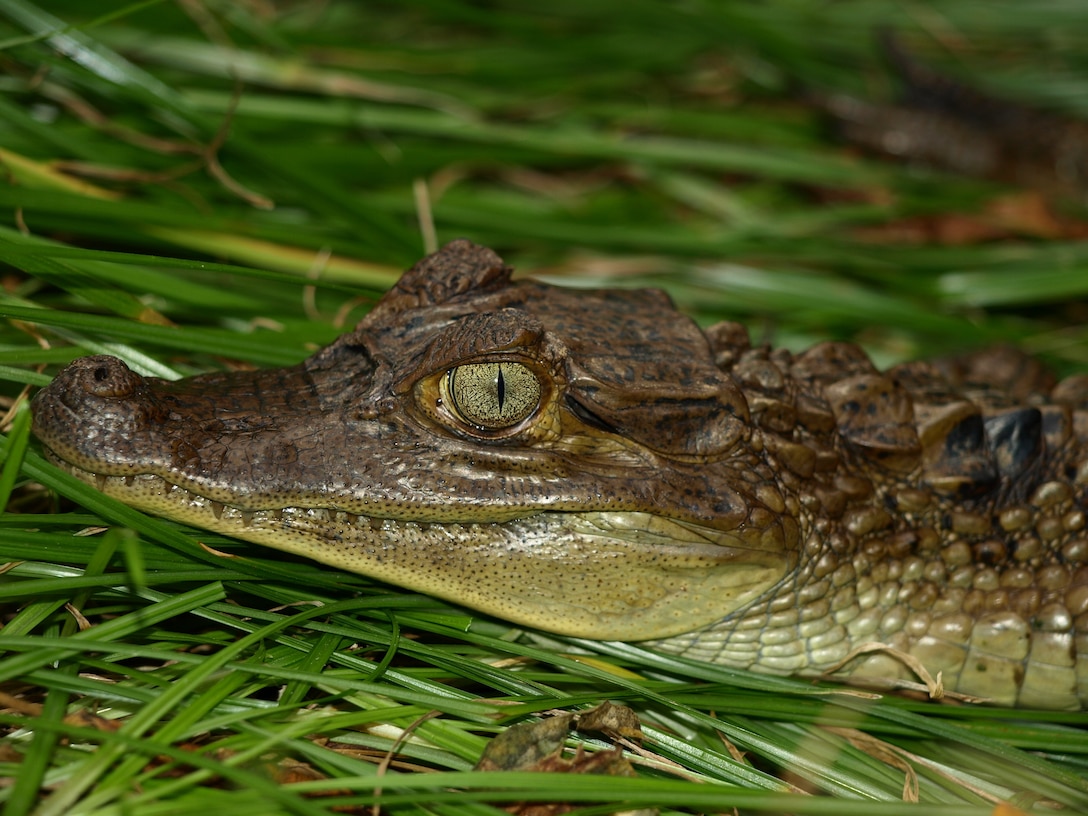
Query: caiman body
591, 463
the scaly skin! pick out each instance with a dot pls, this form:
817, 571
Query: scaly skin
596, 465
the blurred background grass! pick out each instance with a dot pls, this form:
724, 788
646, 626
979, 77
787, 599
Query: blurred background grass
192, 184
640, 141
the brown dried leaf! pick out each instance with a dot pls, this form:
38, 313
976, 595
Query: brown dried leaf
614, 721
538, 746
523, 746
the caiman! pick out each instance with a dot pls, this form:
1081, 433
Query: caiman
592, 463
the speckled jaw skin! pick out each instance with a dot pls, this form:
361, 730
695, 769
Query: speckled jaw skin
591, 463
613, 576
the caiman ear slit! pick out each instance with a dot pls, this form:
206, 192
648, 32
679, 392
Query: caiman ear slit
706, 419
587, 416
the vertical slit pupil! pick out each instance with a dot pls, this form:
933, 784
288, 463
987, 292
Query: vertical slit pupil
500, 387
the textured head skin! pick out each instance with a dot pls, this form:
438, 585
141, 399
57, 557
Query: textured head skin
618, 507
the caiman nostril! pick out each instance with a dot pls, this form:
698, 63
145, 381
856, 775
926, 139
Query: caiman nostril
108, 377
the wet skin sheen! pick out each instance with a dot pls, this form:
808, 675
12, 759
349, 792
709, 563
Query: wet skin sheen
591, 463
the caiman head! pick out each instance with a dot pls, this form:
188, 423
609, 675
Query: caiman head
567, 459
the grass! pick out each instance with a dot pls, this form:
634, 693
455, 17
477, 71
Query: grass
193, 185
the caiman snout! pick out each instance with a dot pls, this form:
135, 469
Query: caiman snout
100, 390
94, 406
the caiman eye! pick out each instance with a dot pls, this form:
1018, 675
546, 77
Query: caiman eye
491, 395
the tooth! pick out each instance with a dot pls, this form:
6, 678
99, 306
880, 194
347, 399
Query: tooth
129, 481
217, 509
100, 481
247, 518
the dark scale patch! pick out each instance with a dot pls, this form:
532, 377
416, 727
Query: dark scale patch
1013, 546
1057, 426
990, 553
963, 467
966, 437
1016, 440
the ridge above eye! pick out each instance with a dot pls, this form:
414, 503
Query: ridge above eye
492, 395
